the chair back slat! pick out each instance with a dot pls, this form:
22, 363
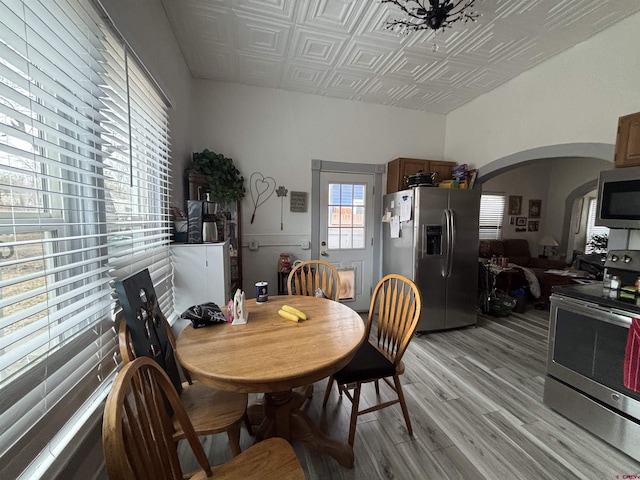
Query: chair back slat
137, 432
397, 303
306, 277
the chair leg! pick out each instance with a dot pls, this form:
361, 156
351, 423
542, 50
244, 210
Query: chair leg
354, 413
234, 439
327, 392
403, 404
247, 423
377, 387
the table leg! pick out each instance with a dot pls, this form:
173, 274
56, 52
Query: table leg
281, 417
305, 431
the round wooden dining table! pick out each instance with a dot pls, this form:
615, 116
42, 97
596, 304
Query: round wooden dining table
272, 355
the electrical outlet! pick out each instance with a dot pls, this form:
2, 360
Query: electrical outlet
305, 245
253, 245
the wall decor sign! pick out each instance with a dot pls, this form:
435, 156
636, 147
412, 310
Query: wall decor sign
535, 208
515, 204
298, 202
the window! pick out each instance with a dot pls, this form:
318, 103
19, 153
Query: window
491, 215
83, 201
346, 220
593, 230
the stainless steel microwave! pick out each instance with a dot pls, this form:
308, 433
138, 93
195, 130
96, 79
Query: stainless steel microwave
619, 198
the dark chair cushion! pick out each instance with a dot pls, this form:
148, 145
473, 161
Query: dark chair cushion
367, 364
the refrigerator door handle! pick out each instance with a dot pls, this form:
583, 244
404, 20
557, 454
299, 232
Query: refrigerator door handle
451, 239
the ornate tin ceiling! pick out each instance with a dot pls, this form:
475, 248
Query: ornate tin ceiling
339, 48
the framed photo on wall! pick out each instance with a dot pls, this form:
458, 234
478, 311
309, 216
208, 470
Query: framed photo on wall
515, 204
533, 225
535, 207
521, 221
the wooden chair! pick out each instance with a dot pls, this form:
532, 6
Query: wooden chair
398, 304
210, 411
306, 277
138, 441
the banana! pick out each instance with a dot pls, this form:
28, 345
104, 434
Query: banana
288, 315
295, 311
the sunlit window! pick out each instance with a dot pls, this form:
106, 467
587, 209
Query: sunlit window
84, 192
491, 215
346, 225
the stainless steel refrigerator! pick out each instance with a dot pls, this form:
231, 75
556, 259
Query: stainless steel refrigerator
430, 235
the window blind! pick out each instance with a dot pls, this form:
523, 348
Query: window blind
592, 228
492, 207
84, 165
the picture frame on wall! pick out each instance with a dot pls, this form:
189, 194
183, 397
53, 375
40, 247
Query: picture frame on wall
533, 225
515, 204
535, 208
521, 221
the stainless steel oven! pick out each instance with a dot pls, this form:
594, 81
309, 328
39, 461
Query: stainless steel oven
588, 330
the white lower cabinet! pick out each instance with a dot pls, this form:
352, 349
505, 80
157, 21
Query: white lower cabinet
201, 273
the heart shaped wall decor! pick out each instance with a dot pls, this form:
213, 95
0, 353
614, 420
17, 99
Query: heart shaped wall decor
261, 189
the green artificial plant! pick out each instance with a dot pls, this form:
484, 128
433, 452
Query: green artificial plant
224, 179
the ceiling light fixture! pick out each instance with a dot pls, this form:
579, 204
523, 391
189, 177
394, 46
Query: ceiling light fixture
430, 14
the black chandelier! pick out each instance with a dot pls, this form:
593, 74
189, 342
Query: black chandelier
431, 14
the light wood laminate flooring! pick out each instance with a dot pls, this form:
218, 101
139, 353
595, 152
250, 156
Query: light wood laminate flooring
475, 400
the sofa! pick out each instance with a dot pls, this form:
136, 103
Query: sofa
517, 251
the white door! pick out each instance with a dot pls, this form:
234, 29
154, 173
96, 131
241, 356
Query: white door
346, 232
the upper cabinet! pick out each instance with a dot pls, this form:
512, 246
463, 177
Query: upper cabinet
401, 167
628, 141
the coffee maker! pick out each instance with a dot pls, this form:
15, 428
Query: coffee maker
202, 221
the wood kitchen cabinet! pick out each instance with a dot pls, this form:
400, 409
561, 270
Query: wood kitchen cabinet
400, 167
201, 273
628, 141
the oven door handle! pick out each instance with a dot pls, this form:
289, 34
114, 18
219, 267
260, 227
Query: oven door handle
605, 314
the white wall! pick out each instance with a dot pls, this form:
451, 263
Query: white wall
531, 182
145, 26
277, 133
576, 96
566, 175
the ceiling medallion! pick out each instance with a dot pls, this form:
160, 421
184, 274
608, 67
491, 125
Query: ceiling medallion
430, 14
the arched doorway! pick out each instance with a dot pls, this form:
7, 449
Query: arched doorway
598, 155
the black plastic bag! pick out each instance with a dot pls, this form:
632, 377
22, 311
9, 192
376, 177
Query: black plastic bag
500, 304
204, 315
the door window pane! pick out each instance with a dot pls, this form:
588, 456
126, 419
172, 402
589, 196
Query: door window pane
347, 213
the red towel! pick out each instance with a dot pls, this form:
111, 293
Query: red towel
632, 357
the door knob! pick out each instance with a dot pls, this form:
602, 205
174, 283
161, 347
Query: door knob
324, 254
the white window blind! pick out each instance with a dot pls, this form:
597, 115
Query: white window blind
492, 207
83, 200
592, 228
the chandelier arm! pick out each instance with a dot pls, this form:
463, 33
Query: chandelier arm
415, 26
400, 5
459, 16
403, 7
